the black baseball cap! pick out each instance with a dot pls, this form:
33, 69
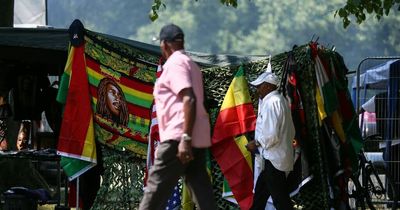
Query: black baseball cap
171, 32
76, 33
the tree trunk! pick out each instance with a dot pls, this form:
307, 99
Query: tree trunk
6, 13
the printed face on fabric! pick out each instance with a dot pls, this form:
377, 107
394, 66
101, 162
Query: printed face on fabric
113, 99
111, 102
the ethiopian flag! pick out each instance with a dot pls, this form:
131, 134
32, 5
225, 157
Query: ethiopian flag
235, 119
76, 142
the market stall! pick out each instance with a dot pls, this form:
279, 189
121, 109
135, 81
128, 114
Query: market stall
320, 100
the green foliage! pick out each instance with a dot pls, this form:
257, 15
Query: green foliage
359, 9
154, 8
271, 27
158, 3
232, 3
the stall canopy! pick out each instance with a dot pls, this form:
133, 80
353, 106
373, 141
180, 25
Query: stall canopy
376, 77
49, 46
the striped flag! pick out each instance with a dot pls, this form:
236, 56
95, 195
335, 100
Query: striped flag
154, 136
76, 142
235, 119
335, 107
326, 95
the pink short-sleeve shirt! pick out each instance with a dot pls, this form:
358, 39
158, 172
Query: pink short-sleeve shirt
180, 72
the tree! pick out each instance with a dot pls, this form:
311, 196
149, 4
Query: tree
358, 8
113, 17
157, 4
271, 27
255, 27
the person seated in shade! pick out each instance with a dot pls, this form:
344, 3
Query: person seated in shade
3, 143
3, 139
23, 136
5, 112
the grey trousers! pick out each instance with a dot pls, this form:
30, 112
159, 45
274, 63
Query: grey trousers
165, 173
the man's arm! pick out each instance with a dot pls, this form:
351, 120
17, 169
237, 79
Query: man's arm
189, 109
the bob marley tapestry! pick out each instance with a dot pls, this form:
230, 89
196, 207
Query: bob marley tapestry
117, 89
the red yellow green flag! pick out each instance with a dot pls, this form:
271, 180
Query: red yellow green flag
76, 142
235, 119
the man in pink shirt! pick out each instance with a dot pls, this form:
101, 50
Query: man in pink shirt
184, 128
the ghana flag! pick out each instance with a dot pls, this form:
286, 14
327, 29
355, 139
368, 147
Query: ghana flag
76, 142
235, 119
105, 101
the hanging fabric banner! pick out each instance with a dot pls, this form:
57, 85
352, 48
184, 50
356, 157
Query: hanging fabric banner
107, 97
236, 118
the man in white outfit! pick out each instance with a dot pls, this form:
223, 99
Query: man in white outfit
273, 141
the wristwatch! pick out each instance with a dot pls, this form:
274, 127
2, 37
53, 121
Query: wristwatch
186, 137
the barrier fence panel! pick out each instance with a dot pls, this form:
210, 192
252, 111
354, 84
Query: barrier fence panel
376, 94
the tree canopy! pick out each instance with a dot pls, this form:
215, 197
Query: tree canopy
360, 8
256, 27
356, 8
